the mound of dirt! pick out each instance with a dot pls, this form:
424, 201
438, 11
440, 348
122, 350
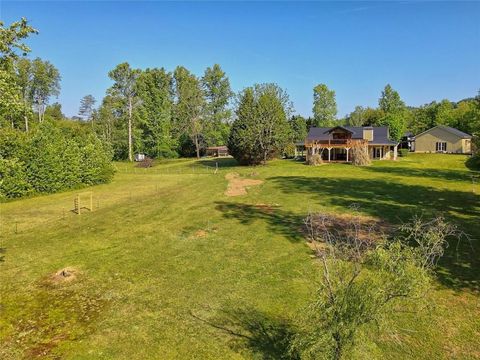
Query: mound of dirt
67, 274
238, 186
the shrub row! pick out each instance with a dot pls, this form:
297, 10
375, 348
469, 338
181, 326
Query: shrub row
51, 158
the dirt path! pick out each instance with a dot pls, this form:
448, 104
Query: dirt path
238, 186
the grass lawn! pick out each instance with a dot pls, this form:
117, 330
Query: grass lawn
167, 266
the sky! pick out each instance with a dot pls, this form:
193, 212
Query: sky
426, 50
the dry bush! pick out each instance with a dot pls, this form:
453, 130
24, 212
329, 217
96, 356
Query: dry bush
145, 163
315, 159
360, 156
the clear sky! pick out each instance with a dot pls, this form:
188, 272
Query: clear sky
425, 50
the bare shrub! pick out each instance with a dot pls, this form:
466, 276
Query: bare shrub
360, 156
145, 163
315, 160
366, 282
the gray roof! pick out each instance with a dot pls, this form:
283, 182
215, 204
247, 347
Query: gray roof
380, 134
454, 131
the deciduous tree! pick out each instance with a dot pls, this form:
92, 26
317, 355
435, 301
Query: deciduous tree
324, 106
124, 88
189, 106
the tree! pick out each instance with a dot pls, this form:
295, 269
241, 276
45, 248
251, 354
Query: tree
11, 41
356, 117
25, 82
261, 129
154, 114
87, 104
395, 112
45, 83
189, 106
124, 88
54, 112
218, 93
324, 106
390, 101
11, 104
299, 128
365, 280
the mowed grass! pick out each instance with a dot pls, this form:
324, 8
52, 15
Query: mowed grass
169, 267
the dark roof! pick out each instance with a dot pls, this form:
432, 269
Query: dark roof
338, 127
380, 134
450, 130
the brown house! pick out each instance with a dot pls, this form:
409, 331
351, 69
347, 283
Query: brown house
334, 144
217, 151
443, 139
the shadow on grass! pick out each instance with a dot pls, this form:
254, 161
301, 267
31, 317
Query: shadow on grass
454, 175
279, 221
266, 337
2, 251
227, 162
397, 203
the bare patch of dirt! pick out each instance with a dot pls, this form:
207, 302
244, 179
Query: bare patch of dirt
238, 186
64, 275
369, 230
200, 234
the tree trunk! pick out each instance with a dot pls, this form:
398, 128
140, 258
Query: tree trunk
25, 115
130, 150
197, 147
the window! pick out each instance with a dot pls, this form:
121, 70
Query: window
441, 146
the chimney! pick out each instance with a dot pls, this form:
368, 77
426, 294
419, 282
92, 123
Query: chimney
368, 133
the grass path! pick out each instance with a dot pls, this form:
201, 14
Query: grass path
166, 261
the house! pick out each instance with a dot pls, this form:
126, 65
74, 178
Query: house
444, 139
334, 144
217, 151
139, 157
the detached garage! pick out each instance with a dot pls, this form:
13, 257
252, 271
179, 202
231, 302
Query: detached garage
443, 139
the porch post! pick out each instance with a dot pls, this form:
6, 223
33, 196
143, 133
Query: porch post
347, 152
329, 154
395, 152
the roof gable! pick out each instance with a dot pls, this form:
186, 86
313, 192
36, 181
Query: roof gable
449, 129
380, 133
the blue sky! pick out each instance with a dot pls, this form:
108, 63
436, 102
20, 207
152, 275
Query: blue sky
425, 50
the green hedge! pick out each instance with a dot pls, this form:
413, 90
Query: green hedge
51, 158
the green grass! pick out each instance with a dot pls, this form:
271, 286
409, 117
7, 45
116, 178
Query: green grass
150, 287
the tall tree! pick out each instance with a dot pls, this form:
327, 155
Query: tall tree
124, 88
299, 127
189, 106
87, 105
356, 117
324, 105
11, 41
154, 87
46, 83
218, 93
261, 128
390, 101
11, 37
395, 112
25, 82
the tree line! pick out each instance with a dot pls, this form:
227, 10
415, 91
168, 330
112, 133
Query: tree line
50, 154
175, 113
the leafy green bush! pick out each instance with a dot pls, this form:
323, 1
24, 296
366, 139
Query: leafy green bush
51, 158
289, 151
403, 152
13, 180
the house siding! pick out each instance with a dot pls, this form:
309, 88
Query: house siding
426, 142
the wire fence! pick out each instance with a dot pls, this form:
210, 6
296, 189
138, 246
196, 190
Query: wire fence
64, 208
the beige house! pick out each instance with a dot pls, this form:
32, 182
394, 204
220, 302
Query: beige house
443, 139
